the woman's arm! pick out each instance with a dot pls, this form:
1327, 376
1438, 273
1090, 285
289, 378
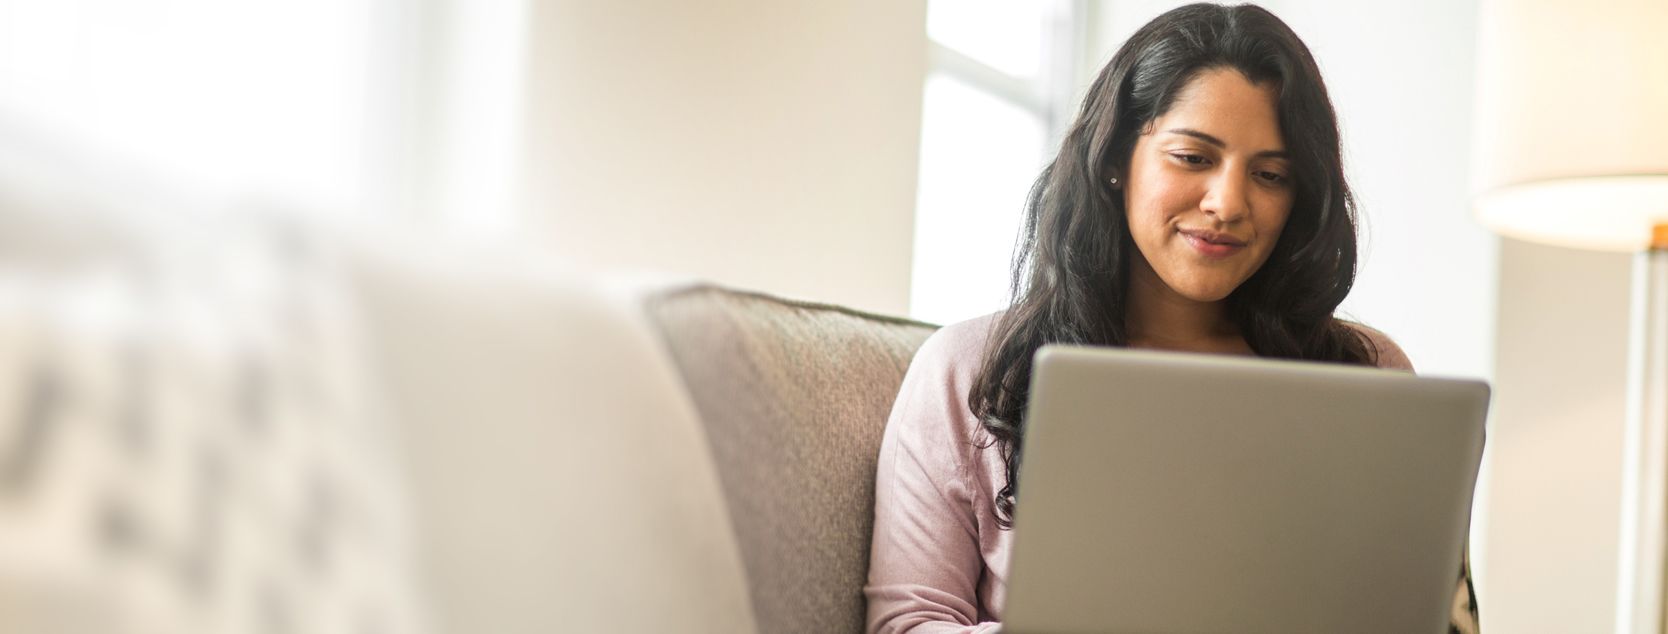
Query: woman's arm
925, 562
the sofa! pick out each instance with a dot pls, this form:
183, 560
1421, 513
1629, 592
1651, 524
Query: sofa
218, 416
793, 397
664, 455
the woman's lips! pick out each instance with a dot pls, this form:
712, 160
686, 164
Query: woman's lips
1212, 244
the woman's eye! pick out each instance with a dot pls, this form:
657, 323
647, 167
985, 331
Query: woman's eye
1274, 178
1191, 159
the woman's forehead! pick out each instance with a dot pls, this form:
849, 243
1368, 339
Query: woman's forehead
1222, 103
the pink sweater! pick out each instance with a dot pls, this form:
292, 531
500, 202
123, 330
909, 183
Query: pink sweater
939, 562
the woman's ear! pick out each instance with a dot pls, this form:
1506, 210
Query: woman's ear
1113, 179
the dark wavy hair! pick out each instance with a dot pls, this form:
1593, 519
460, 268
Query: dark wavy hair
1071, 265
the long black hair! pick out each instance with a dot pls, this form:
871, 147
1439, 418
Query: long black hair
1071, 267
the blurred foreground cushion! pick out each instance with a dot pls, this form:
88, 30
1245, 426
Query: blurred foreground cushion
563, 481
188, 441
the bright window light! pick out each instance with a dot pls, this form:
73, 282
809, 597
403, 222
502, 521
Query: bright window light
979, 154
1000, 78
1006, 35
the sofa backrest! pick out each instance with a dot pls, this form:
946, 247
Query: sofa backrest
794, 397
560, 475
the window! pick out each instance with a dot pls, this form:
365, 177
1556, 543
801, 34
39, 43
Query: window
997, 100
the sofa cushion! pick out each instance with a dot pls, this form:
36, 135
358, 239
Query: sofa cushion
187, 443
793, 397
558, 469
193, 454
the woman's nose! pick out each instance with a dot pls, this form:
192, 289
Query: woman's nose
1227, 197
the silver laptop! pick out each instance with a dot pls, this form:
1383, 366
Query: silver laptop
1164, 492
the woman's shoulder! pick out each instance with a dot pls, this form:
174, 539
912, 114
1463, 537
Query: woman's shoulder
930, 415
958, 347
1384, 349
933, 397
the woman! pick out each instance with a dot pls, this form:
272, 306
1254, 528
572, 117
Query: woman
1198, 203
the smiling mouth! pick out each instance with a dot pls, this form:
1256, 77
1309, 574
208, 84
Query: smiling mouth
1212, 237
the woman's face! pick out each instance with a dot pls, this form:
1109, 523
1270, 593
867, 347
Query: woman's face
1209, 187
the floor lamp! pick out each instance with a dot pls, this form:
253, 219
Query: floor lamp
1571, 149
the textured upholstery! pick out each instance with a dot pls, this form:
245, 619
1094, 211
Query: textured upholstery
793, 397
187, 443
193, 454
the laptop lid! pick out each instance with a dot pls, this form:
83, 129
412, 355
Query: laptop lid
1165, 492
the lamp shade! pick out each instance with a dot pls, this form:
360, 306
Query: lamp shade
1571, 143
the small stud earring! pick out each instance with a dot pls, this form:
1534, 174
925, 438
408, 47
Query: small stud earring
1113, 180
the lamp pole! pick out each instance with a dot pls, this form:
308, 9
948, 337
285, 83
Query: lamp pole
1644, 527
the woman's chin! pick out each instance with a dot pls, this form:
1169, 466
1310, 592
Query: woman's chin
1205, 291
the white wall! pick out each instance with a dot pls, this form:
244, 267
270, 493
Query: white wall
770, 145
1560, 400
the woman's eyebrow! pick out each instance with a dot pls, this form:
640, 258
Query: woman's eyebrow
1207, 138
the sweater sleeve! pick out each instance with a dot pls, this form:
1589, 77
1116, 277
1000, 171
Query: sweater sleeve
925, 561
1386, 353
